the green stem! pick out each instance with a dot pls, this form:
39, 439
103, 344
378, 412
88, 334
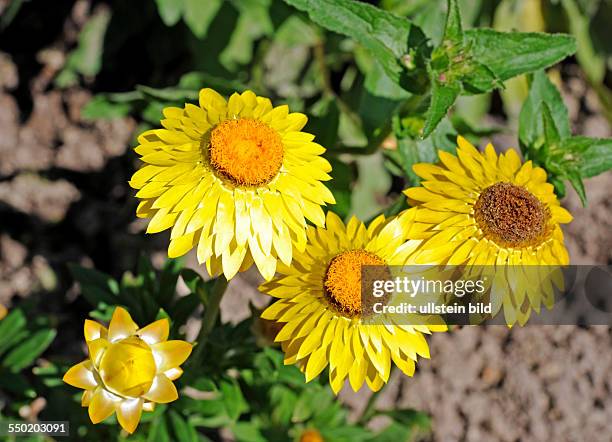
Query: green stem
211, 305
369, 410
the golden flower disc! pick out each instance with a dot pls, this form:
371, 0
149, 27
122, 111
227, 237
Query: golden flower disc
245, 151
510, 215
311, 436
128, 367
343, 280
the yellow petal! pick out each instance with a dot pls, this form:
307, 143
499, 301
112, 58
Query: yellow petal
96, 349
102, 406
170, 354
173, 373
128, 414
94, 330
121, 325
561, 215
155, 332
86, 398
81, 376
162, 390
212, 99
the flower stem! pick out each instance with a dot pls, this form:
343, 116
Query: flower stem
369, 409
211, 304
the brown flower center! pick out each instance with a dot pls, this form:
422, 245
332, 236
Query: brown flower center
511, 216
246, 152
342, 281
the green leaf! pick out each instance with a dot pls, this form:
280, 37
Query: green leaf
170, 11
247, 432
198, 14
508, 54
340, 186
551, 132
233, 399
254, 22
443, 95
595, 154
479, 79
324, 119
367, 198
414, 151
87, 58
12, 329
169, 93
26, 352
96, 287
395, 42
100, 107
167, 281
531, 129
158, 431
574, 178
453, 31
182, 430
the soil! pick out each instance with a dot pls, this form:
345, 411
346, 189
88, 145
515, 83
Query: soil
64, 198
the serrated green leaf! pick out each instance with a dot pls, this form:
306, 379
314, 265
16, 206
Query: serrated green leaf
453, 30
530, 124
479, 79
443, 96
170, 11
198, 14
26, 352
595, 154
393, 40
551, 133
508, 54
574, 178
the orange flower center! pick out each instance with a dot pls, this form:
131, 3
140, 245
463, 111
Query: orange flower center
511, 216
342, 281
311, 436
128, 368
246, 152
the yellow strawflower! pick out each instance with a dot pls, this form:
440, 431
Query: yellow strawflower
485, 209
234, 179
129, 369
320, 306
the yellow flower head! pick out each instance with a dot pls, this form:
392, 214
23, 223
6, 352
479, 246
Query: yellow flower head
320, 305
235, 179
485, 209
3, 311
129, 369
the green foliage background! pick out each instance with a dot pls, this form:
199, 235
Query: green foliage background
384, 85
